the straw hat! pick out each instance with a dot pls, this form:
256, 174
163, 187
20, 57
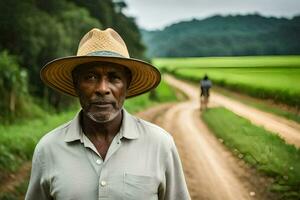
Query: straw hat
105, 46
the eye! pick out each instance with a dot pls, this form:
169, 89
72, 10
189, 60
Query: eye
90, 77
114, 76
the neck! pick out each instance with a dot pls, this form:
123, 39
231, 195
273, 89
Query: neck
101, 130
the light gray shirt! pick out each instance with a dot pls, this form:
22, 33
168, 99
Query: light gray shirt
142, 163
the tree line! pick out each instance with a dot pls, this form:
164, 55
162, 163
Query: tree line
34, 32
239, 35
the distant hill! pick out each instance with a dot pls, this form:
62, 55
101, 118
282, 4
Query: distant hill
226, 36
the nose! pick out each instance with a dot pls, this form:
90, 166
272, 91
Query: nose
102, 88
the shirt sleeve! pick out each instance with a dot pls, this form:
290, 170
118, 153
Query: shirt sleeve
38, 187
176, 188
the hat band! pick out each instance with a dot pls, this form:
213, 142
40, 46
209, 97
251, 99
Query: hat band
105, 53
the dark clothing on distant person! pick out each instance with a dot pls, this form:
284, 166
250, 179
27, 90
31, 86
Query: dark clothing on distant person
205, 86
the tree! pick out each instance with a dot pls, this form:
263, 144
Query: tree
16, 101
38, 31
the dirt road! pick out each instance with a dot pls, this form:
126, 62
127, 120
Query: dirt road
212, 172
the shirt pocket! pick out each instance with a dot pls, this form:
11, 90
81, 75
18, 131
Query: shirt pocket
138, 187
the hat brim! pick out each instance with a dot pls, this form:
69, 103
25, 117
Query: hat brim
58, 73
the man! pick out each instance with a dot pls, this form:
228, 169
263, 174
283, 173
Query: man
104, 152
205, 85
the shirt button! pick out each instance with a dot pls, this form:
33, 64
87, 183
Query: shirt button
98, 161
103, 183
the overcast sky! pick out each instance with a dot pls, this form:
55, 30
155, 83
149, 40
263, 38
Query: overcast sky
156, 14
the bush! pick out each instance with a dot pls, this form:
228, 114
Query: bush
16, 102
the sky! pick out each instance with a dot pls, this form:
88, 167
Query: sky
156, 14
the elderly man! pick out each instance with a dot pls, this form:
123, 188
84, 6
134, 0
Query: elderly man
104, 152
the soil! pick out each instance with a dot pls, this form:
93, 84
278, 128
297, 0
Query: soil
12, 180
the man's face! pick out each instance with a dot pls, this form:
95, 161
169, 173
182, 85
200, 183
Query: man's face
102, 90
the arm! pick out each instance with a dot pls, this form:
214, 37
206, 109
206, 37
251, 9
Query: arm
176, 188
38, 187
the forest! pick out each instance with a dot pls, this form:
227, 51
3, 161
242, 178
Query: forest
34, 32
233, 35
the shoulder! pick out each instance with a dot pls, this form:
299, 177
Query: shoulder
52, 138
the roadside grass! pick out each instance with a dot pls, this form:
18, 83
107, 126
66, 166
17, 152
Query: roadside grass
266, 77
18, 141
265, 151
269, 107
163, 93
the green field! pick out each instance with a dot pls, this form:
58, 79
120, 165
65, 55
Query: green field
261, 149
245, 61
164, 94
267, 77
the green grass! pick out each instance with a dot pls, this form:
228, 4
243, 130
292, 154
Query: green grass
258, 147
266, 77
18, 141
244, 61
163, 93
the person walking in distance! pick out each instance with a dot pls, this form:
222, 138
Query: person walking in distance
205, 85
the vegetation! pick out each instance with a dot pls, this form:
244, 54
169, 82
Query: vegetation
277, 78
228, 62
269, 153
16, 104
163, 93
18, 141
36, 32
226, 36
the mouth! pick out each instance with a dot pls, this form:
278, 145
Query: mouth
102, 104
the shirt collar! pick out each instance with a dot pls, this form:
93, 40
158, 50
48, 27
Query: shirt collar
73, 131
128, 128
